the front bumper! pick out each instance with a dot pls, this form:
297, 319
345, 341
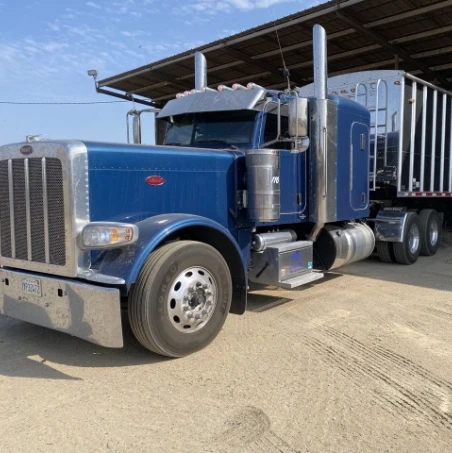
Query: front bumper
85, 311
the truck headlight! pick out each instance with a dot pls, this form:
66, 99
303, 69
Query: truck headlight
99, 235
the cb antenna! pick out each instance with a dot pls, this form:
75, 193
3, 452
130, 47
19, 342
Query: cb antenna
286, 71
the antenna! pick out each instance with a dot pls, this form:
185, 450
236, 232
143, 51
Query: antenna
286, 71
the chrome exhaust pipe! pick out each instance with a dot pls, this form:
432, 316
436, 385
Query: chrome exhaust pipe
319, 206
320, 63
200, 71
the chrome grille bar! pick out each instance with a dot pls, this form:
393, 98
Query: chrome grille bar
46, 210
27, 209
11, 208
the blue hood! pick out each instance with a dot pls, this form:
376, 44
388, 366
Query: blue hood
196, 181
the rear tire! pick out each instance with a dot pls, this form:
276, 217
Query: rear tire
181, 298
430, 232
385, 252
408, 251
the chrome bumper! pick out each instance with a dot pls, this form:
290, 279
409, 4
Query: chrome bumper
85, 311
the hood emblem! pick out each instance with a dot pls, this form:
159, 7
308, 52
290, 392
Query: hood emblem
155, 180
26, 150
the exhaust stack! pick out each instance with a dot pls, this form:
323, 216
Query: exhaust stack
200, 71
320, 63
322, 198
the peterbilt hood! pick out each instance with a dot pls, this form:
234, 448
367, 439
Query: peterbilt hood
133, 182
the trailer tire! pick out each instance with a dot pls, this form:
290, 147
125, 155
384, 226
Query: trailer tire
385, 252
430, 232
181, 298
408, 251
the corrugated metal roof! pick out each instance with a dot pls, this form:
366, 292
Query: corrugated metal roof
362, 34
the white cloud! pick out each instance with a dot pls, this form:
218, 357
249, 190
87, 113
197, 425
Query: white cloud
212, 7
93, 5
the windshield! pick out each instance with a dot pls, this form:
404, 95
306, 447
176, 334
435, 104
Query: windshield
213, 128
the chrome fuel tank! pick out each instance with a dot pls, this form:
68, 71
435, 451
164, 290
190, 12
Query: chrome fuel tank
337, 245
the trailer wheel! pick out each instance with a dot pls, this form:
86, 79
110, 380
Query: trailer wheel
407, 252
385, 252
430, 232
181, 298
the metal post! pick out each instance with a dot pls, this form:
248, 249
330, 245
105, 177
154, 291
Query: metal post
432, 173
412, 134
400, 155
443, 143
424, 128
450, 151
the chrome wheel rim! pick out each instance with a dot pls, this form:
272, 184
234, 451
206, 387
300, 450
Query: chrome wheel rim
192, 299
414, 239
434, 232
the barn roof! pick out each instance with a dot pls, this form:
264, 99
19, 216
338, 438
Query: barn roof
413, 35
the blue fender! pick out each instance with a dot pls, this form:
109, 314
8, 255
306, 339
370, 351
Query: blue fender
126, 262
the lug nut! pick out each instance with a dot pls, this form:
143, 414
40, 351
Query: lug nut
191, 289
208, 292
205, 286
198, 316
186, 308
190, 315
186, 298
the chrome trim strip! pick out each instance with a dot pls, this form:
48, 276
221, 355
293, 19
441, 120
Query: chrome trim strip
46, 209
11, 208
28, 209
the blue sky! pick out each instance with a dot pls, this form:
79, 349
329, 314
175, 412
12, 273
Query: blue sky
47, 46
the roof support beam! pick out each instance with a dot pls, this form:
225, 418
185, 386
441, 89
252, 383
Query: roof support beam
248, 59
391, 47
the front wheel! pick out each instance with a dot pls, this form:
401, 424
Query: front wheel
181, 298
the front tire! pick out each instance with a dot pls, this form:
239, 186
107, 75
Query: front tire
407, 252
430, 232
181, 298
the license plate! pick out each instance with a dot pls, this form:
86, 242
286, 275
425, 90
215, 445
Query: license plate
32, 286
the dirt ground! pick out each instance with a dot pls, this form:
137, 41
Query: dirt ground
358, 362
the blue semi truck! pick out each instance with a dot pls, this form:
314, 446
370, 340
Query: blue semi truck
245, 185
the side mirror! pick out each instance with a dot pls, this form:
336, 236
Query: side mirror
298, 117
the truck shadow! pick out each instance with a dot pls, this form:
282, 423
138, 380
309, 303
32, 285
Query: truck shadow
25, 350
259, 302
428, 272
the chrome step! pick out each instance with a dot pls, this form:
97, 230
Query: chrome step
301, 280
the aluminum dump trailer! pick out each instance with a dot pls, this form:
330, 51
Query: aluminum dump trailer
411, 131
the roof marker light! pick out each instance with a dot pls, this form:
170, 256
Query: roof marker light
223, 88
179, 95
252, 86
237, 86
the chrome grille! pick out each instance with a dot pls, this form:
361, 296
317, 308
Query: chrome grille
32, 210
